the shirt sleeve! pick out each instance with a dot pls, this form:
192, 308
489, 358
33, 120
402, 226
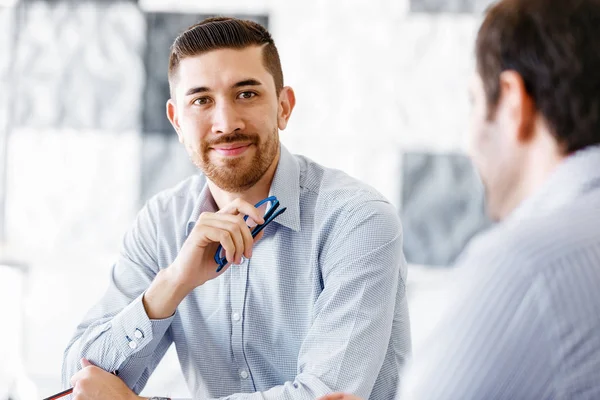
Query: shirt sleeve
492, 341
363, 301
116, 334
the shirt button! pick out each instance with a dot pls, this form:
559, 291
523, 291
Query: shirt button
244, 374
236, 316
133, 344
244, 259
138, 334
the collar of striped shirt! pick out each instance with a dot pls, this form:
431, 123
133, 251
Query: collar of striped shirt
576, 175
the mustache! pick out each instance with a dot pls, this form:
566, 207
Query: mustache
232, 138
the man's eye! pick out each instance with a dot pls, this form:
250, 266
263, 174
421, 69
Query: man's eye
202, 101
246, 95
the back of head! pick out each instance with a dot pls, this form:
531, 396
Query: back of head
554, 45
225, 33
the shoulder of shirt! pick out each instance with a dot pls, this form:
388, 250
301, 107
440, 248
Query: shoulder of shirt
336, 189
534, 244
185, 192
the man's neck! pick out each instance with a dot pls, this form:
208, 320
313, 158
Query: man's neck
540, 165
253, 195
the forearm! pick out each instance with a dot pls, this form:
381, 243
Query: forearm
123, 342
93, 342
164, 295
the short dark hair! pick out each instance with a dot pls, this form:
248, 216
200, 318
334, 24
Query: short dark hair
555, 47
225, 33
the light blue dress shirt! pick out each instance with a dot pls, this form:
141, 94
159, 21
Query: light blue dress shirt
320, 307
522, 315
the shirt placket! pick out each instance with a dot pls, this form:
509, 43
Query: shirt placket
239, 278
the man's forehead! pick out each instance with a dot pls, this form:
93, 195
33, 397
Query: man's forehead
217, 62
222, 68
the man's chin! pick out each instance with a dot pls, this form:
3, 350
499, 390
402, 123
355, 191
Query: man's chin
232, 184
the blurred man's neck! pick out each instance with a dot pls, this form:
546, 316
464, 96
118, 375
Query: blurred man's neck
544, 156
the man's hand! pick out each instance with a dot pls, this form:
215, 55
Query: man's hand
340, 396
93, 383
195, 264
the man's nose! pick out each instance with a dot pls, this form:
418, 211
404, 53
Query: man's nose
226, 120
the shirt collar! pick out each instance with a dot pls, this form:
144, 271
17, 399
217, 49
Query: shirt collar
285, 186
204, 203
573, 177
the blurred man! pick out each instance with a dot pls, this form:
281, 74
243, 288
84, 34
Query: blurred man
316, 305
523, 317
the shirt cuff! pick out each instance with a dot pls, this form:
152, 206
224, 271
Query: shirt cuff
135, 333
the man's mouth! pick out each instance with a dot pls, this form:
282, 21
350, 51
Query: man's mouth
231, 149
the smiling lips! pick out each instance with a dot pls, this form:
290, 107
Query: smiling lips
231, 149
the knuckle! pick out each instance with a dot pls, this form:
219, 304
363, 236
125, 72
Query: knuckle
203, 216
82, 385
231, 225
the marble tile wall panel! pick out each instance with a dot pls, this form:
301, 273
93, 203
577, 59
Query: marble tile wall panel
6, 54
449, 6
164, 163
7, 19
442, 207
80, 66
71, 189
162, 29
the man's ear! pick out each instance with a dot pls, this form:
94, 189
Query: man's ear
287, 101
518, 104
172, 115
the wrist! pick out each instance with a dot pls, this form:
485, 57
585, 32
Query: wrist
169, 277
164, 295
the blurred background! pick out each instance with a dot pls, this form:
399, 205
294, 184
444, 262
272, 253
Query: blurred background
382, 94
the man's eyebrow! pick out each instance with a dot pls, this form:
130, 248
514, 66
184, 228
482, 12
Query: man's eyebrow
203, 89
195, 90
247, 82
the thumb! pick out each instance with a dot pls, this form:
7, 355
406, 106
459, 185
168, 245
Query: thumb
85, 362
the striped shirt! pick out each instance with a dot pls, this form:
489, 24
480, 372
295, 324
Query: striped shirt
320, 307
522, 320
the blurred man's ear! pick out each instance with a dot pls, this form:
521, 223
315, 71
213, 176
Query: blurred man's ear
518, 106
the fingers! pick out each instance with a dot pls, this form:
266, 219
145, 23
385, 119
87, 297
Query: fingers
228, 228
76, 378
244, 240
223, 237
81, 374
239, 233
333, 396
339, 396
240, 206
